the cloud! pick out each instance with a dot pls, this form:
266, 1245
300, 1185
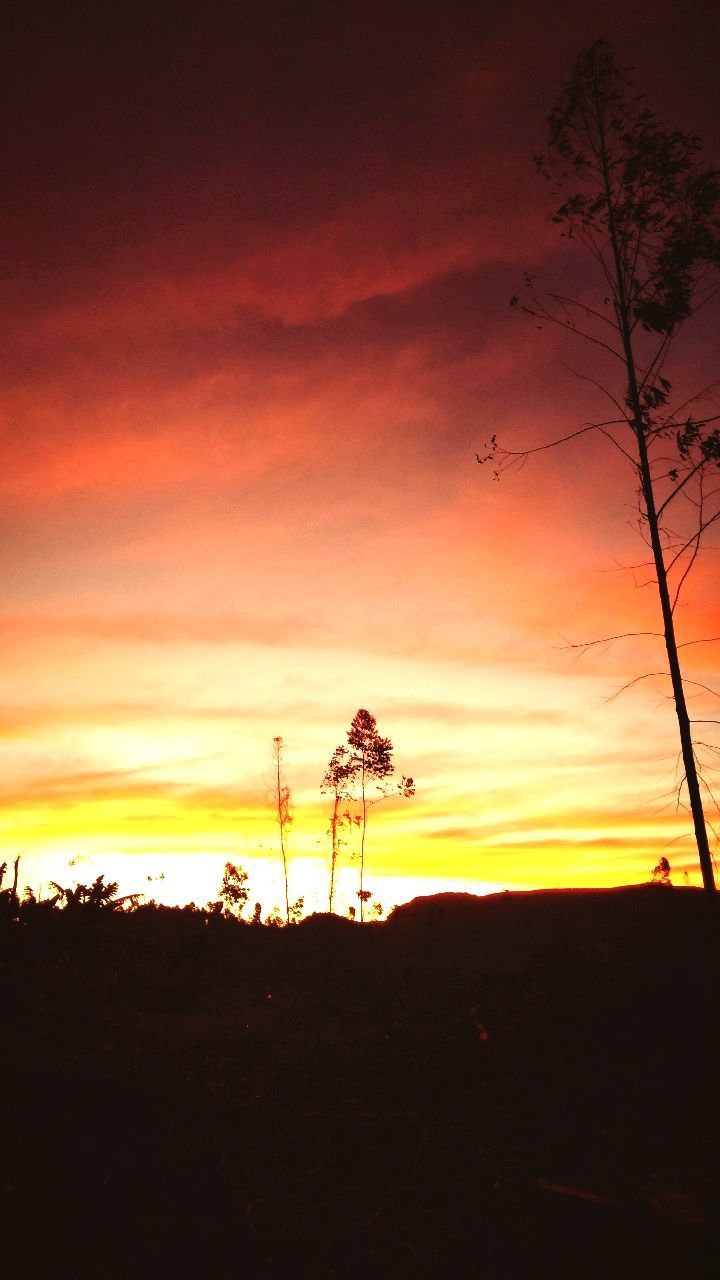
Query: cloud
65, 786
165, 628
485, 715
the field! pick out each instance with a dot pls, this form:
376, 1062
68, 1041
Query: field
522, 1085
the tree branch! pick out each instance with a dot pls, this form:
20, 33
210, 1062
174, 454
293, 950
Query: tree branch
624, 688
679, 487
700, 530
710, 640
622, 635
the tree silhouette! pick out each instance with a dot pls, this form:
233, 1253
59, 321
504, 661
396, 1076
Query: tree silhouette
97, 896
283, 813
233, 894
336, 782
662, 872
365, 897
371, 761
648, 214
9, 897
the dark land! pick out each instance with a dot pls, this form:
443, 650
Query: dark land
522, 1085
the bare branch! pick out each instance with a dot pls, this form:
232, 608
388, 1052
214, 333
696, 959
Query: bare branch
582, 306
622, 635
679, 488
648, 675
710, 792
710, 640
522, 455
585, 377
654, 368
695, 550
699, 531
705, 687
627, 568
624, 452
538, 312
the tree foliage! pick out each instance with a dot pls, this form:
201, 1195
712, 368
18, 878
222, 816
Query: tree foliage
233, 894
97, 896
662, 873
645, 206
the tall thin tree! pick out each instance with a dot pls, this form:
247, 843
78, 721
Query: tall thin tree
647, 212
371, 762
336, 783
283, 812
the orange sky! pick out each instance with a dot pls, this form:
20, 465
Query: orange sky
257, 326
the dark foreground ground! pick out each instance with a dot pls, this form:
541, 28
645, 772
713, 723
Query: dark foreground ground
510, 1087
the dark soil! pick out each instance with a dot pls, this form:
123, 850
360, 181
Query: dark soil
511, 1087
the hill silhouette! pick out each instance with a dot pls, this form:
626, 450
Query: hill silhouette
512, 925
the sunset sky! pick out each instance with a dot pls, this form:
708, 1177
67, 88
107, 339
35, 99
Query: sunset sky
257, 266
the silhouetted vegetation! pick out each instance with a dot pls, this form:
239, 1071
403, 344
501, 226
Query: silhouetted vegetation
283, 813
510, 1086
367, 761
336, 783
234, 893
97, 896
356, 779
662, 873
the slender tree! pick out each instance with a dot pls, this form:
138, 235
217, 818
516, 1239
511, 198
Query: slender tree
283, 812
647, 212
371, 762
9, 897
14, 892
336, 784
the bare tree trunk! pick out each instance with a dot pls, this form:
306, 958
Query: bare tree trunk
648, 493
362, 849
13, 895
686, 743
282, 813
333, 856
